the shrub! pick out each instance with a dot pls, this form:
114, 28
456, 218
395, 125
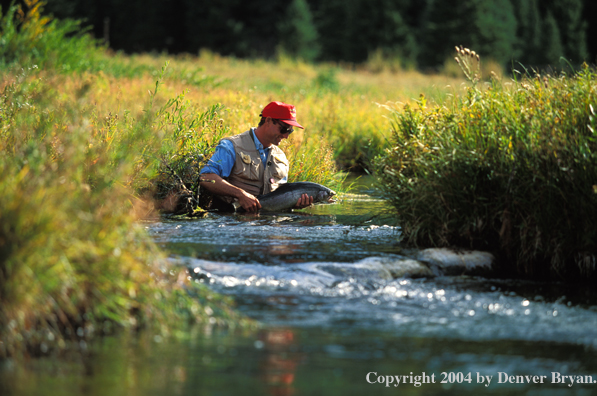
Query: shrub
73, 260
509, 167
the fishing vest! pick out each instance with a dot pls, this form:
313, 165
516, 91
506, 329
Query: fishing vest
249, 172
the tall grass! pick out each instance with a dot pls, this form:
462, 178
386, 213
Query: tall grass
91, 142
74, 262
508, 166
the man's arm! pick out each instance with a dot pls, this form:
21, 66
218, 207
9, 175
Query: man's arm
220, 186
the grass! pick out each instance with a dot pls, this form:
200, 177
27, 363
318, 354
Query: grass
72, 258
507, 166
93, 141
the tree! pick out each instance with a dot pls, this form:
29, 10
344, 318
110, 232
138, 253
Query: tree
551, 43
298, 35
488, 27
572, 27
527, 47
352, 29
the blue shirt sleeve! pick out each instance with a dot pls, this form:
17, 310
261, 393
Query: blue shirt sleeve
222, 161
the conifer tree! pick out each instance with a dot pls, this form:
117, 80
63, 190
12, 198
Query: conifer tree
551, 43
488, 27
336, 20
353, 29
298, 35
572, 27
527, 47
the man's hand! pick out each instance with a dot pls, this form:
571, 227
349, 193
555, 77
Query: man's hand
218, 186
304, 201
249, 202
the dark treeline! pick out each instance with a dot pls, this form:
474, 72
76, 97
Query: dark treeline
421, 33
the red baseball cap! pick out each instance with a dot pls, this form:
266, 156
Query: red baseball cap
281, 111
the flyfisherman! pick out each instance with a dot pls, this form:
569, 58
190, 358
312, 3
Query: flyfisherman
251, 163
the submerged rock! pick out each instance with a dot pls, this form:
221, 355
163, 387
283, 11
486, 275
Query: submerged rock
379, 268
444, 261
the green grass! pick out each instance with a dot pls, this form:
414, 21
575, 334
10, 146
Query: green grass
92, 141
509, 166
71, 253
73, 260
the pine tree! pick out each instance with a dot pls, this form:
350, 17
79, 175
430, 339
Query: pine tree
353, 29
335, 21
527, 47
572, 27
550, 42
495, 29
298, 35
488, 27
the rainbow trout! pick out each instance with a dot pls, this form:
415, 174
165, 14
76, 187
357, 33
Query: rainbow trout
287, 195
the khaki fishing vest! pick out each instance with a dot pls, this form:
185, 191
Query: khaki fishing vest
249, 172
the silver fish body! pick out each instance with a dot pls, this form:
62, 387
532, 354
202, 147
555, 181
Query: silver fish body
288, 194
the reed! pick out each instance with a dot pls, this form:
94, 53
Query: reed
506, 166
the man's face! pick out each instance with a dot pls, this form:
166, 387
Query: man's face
278, 130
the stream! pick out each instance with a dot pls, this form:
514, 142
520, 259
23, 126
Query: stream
336, 321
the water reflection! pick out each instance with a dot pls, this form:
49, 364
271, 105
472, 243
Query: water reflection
278, 368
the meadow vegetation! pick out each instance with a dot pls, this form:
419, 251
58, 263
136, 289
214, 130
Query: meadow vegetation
94, 143
508, 165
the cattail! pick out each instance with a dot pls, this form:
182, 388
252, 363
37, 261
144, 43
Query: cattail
478, 58
457, 49
457, 60
468, 51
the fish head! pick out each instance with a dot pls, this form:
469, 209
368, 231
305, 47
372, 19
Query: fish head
325, 195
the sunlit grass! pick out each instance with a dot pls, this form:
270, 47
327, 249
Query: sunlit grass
509, 166
92, 142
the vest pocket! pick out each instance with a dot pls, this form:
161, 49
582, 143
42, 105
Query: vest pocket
248, 172
278, 169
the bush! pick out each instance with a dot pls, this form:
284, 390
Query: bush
73, 260
510, 167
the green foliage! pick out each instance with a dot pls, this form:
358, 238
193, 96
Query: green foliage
191, 142
352, 30
28, 38
327, 80
315, 163
298, 35
550, 30
551, 43
572, 27
527, 47
405, 31
510, 168
73, 260
488, 26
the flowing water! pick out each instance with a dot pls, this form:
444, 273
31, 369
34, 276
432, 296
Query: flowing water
336, 321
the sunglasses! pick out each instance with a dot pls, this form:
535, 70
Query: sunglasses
284, 128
